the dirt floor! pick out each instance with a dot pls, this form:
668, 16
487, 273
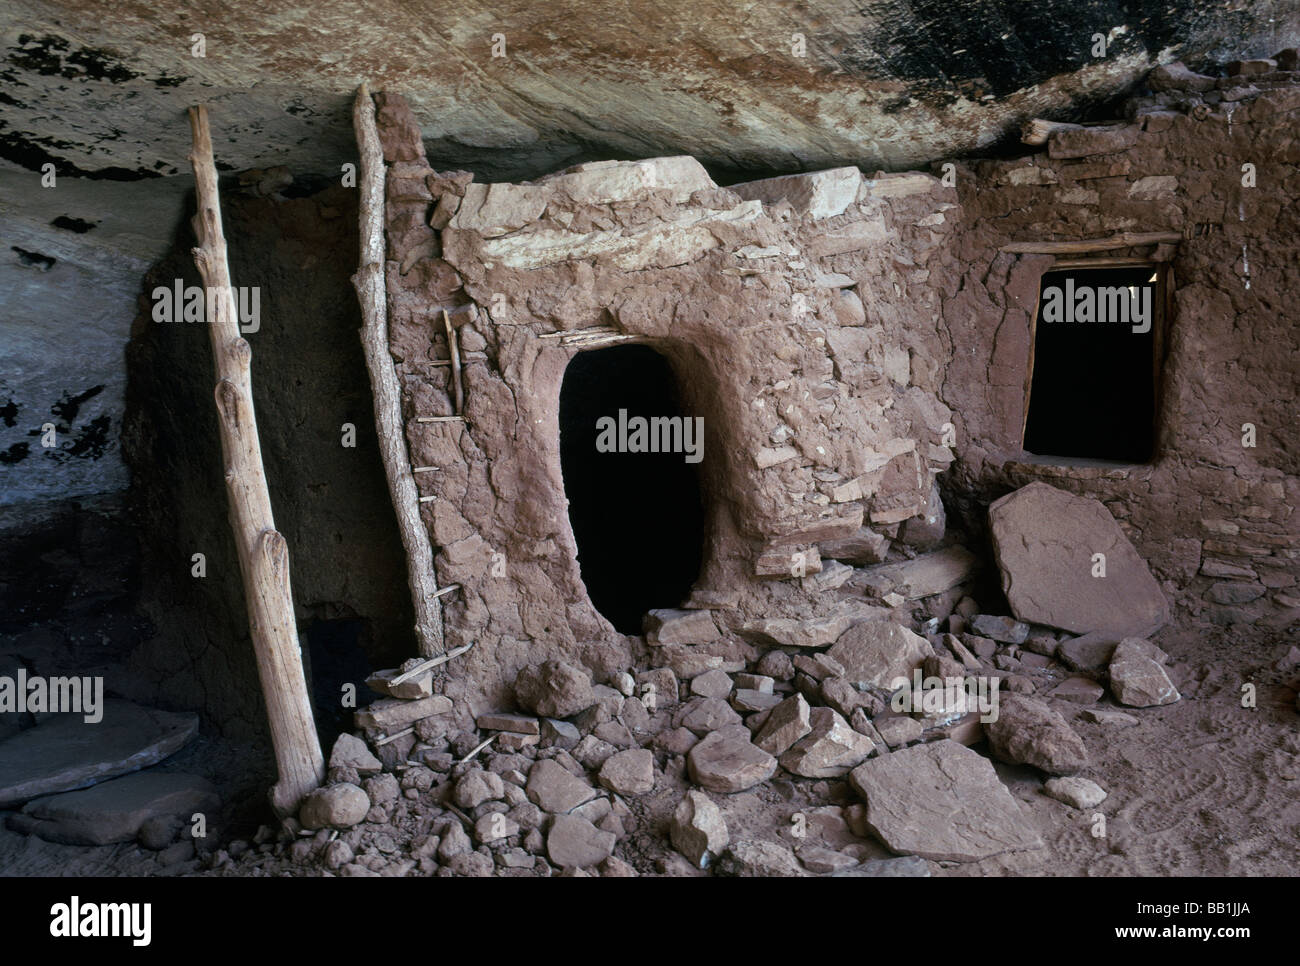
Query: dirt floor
1205, 786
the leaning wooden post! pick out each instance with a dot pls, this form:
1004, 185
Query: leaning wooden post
263, 553
369, 283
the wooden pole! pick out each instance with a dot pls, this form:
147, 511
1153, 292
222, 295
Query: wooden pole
1125, 239
263, 553
369, 283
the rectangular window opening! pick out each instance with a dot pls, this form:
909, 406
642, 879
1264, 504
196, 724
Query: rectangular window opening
1094, 368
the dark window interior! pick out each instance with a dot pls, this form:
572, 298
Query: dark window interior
1093, 386
637, 517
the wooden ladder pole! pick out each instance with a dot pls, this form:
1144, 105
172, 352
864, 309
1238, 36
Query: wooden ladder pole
263, 553
369, 283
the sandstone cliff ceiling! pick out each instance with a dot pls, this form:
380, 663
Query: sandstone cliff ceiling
100, 87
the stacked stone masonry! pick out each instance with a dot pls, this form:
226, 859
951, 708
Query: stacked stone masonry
852, 341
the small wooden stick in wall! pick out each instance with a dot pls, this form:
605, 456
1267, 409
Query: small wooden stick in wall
453, 350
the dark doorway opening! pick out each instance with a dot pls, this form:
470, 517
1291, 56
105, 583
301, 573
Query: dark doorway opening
1092, 391
637, 516
335, 657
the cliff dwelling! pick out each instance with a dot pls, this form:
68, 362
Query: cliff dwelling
869, 458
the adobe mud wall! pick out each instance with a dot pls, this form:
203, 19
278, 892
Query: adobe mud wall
820, 423
1213, 517
839, 331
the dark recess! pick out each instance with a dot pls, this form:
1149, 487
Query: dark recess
79, 225
637, 517
335, 657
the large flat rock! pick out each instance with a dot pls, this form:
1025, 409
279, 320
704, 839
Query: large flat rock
65, 753
113, 811
941, 801
876, 653
1045, 540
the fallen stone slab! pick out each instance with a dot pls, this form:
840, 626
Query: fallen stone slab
746, 701
789, 632
704, 715
877, 653
823, 861
864, 547
727, 761
818, 666
64, 752
904, 867
556, 733
789, 721
630, 772
711, 684
829, 750
1078, 691
113, 811
553, 788
1004, 629
1091, 652
420, 686
941, 801
1045, 540
898, 730
1075, 791
698, 830
1027, 731
351, 752
688, 660
391, 715
673, 626
518, 724
554, 689
574, 843
926, 574
1137, 676
759, 859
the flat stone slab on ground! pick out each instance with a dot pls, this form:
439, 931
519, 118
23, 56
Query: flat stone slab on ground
941, 801
875, 653
726, 761
903, 867
1045, 540
519, 724
554, 788
926, 574
113, 811
575, 843
830, 748
65, 753
1078, 691
391, 715
790, 632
